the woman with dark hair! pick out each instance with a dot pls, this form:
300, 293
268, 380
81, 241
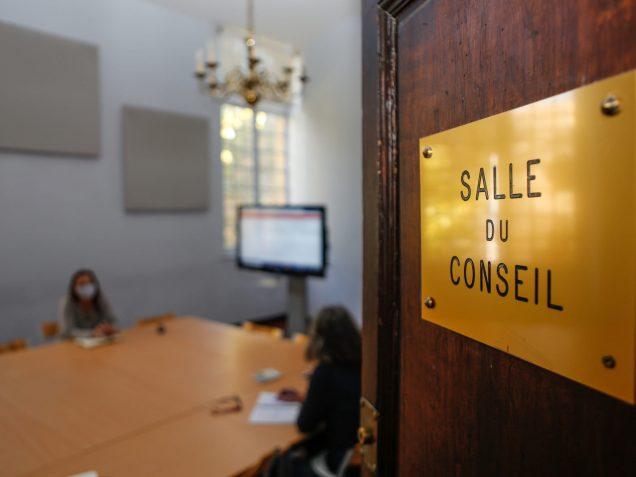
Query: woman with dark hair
332, 401
86, 311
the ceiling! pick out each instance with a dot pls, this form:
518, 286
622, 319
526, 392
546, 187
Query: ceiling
295, 22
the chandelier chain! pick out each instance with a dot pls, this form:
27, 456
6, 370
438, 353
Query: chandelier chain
250, 17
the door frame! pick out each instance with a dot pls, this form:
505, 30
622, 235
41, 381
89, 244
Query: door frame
384, 250
381, 191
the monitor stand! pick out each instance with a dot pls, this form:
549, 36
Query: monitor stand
296, 305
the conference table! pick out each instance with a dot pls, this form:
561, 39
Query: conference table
142, 405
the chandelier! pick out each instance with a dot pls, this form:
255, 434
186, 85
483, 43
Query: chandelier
253, 85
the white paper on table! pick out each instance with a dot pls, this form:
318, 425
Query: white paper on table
269, 410
90, 473
88, 342
267, 374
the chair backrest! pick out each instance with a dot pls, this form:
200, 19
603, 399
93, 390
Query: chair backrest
155, 320
261, 467
61, 305
346, 461
300, 339
267, 330
50, 329
320, 468
16, 345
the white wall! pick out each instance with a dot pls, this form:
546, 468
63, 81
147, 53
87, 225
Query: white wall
59, 213
326, 156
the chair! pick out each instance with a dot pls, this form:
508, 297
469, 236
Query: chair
155, 320
50, 329
319, 465
263, 466
300, 339
61, 306
267, 330
16, 345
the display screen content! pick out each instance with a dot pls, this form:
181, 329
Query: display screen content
283, 239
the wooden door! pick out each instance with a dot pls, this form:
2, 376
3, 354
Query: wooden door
450, 405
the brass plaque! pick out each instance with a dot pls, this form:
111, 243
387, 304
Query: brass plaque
528, 233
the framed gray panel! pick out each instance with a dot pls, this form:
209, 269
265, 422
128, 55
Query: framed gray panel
49, 93
166, 161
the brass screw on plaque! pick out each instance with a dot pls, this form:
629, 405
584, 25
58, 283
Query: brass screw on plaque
611, 106
429, 302
609, 362
427, 152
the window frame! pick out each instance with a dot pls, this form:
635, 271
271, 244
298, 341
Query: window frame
268, 108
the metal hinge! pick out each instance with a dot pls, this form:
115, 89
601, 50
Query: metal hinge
368, 434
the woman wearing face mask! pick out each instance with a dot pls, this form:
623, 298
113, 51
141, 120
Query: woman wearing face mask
86, 311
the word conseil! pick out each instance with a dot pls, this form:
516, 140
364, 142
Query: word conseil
500, 279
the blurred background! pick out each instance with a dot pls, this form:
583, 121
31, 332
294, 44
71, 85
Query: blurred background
61, 211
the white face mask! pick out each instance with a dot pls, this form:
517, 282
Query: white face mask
86, 291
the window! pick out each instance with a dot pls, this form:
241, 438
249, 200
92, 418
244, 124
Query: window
254, 160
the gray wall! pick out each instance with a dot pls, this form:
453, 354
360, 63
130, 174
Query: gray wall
326, 157
59, 213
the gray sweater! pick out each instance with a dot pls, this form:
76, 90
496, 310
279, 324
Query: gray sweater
78, 322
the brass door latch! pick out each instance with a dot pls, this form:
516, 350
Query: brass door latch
368, 434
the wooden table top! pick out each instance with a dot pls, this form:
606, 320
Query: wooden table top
141, 406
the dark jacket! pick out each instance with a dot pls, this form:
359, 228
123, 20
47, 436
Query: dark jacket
333, 401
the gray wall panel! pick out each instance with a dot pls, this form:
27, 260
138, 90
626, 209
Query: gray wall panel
166, 160
49, 93
58, 213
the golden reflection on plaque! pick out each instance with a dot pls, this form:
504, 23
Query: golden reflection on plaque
528, 233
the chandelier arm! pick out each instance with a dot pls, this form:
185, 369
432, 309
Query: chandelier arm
253, 85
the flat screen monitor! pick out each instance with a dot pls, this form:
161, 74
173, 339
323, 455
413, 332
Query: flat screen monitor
282, 239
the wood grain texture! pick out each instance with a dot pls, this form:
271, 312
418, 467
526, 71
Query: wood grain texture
370, 191
371, 204
389, 252
468, 409
120, 408
27, 444
193, 444
381, 246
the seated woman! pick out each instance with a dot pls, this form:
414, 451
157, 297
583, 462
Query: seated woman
333, 397
86, 311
